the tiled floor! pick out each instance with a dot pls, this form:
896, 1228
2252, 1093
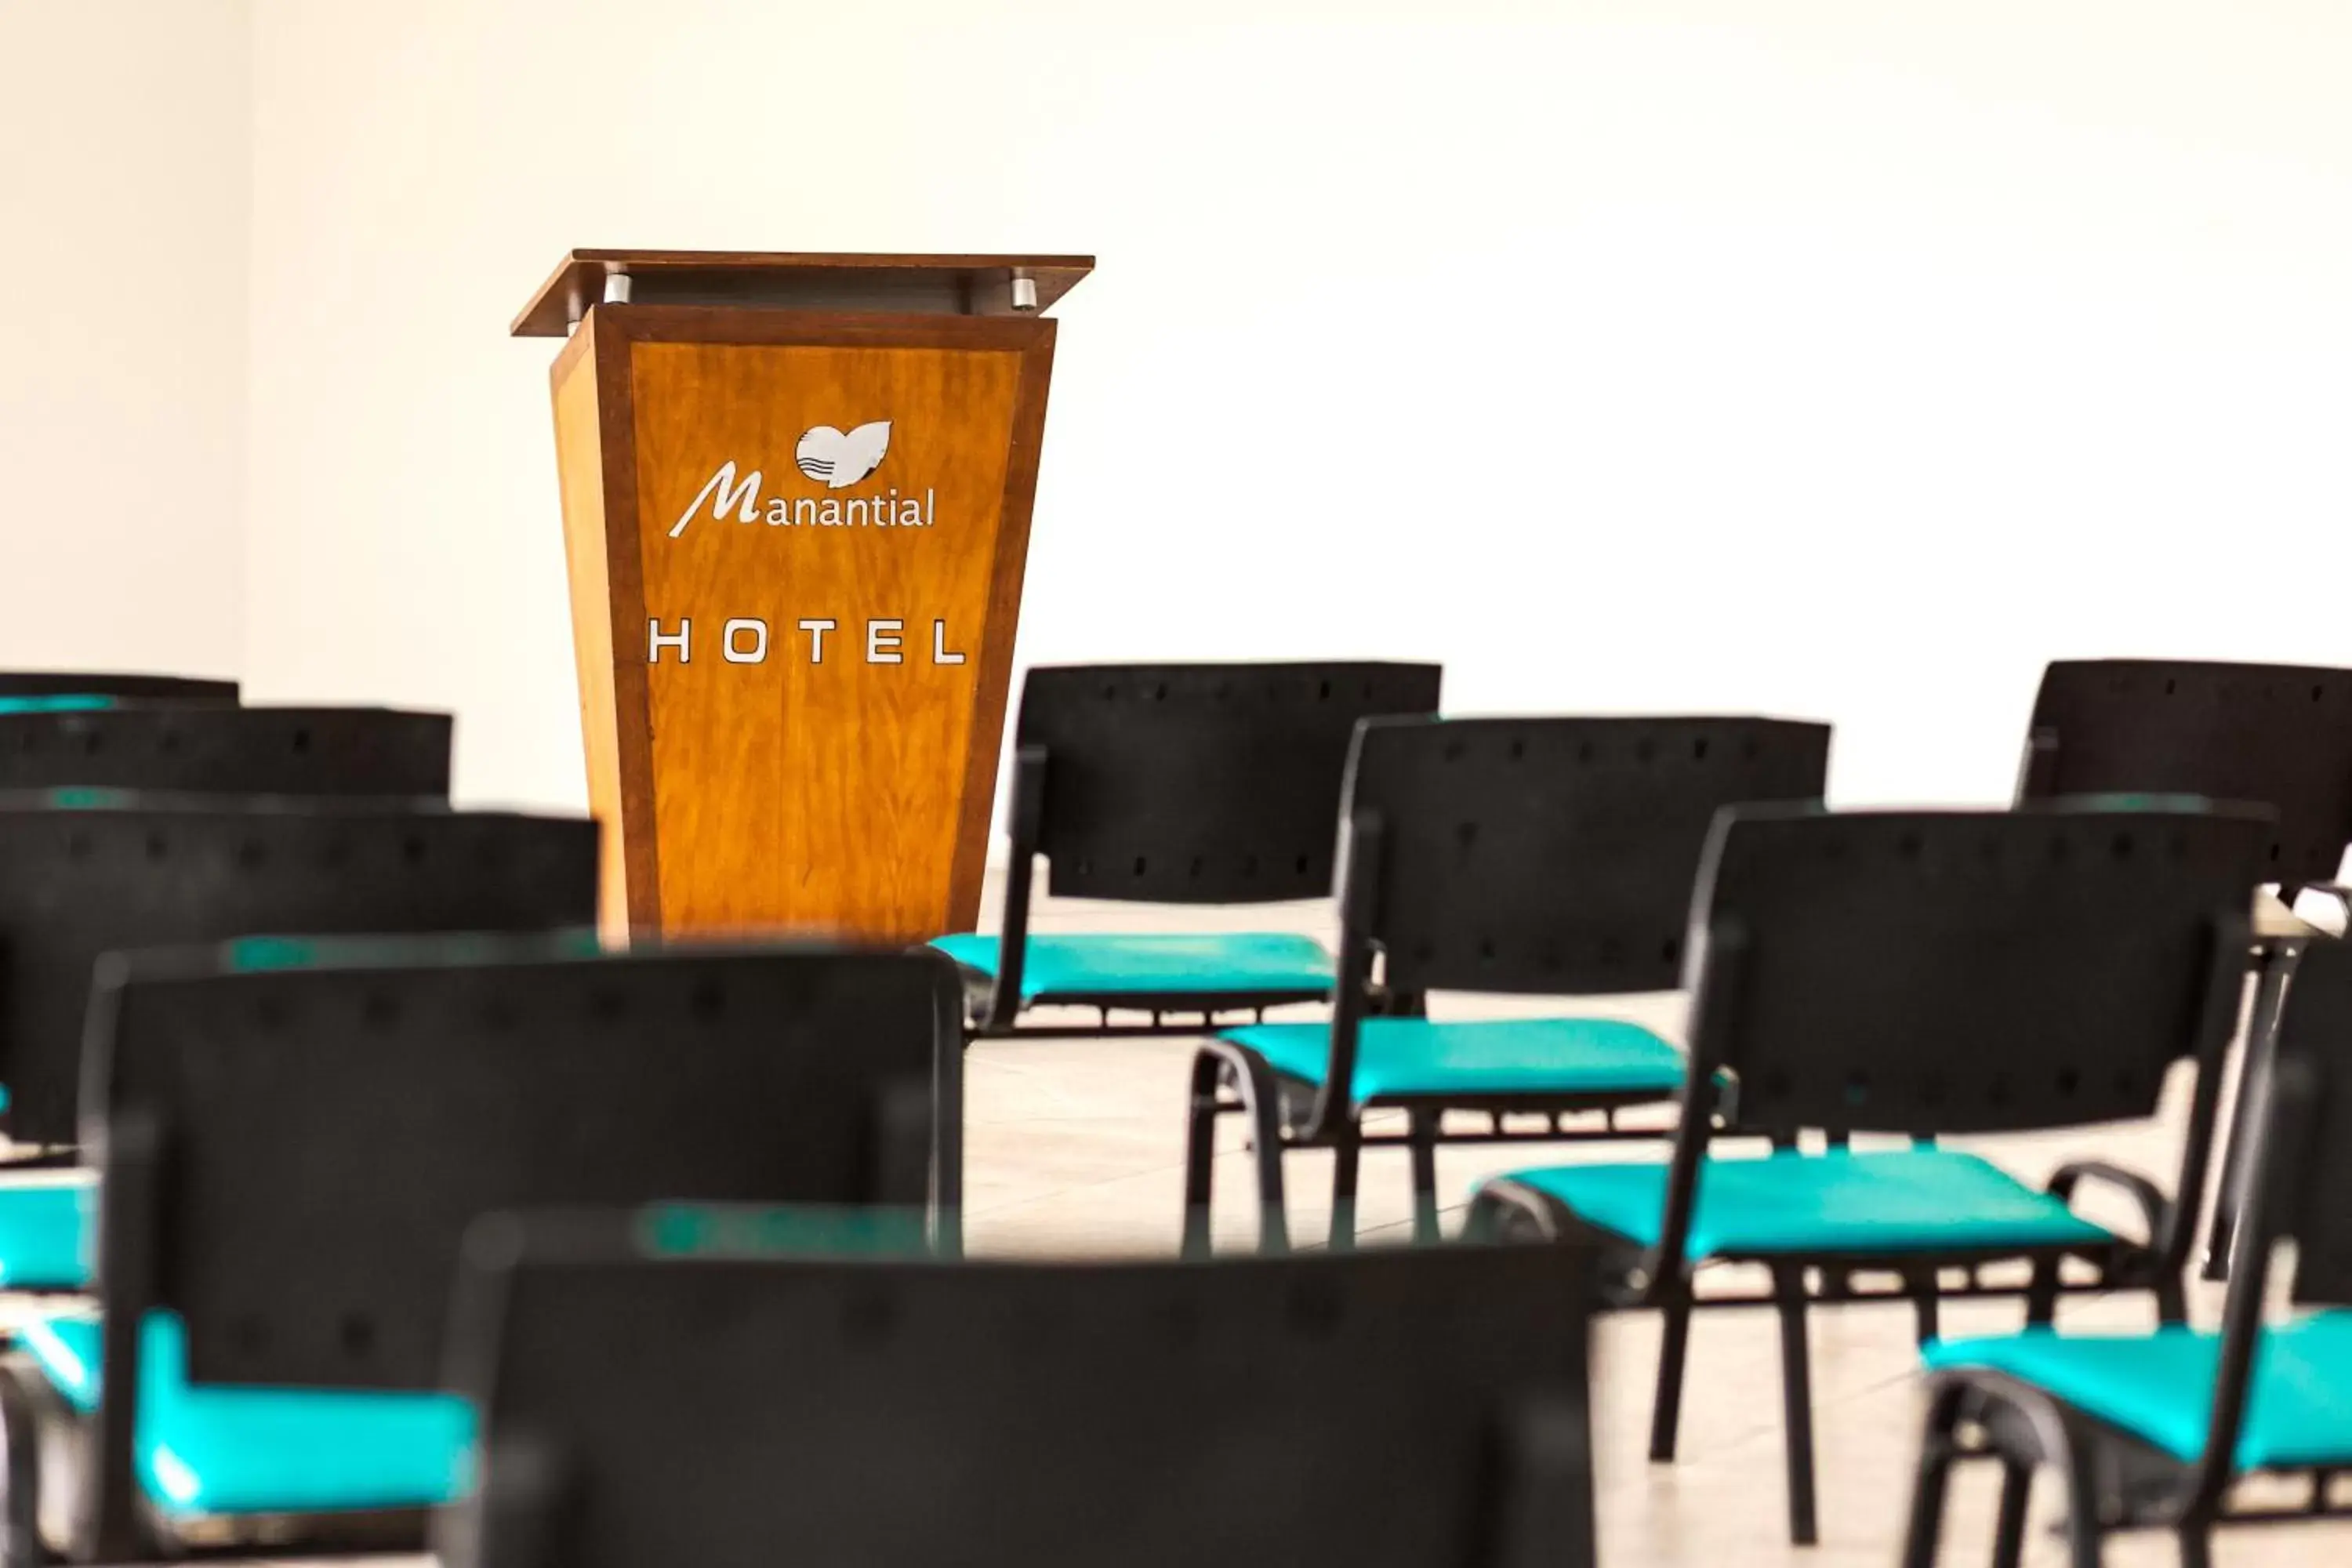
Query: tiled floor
1077, 1147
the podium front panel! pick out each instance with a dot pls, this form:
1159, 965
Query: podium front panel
795, 590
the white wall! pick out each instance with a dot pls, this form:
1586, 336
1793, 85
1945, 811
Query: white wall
1836, 359
123, 214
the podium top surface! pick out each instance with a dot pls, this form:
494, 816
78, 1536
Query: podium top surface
796, 280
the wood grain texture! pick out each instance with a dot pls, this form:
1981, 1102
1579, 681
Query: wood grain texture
579, 450
840, 795
963, 285
626, 618
995, 655
582, 398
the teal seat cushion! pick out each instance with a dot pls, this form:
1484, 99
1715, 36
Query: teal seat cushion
2160, 1387
44, 1227
1402, 1056
62, 702
1895, 1201
210, 1448
1155, 964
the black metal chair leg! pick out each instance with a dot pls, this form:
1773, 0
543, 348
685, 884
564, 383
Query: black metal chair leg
2196, 1546
19, 1429
1265, 1144
1200, 1155
1261, 1105
1424, 1141
2009, 1529
1927, 1304
1924, 1534
1797, 1403
2041, 1294
1666, 1406
1347, 1159
2084, 1539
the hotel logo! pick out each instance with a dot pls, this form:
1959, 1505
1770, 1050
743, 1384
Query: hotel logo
834, 458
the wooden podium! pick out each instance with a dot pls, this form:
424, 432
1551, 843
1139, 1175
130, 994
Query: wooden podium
796, 493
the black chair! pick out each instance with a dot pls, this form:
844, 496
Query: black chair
292, 1155
147, 870
1922, 974
1181, 783
27, 685
1380, 1410
2279, 734
2153, 1431
230, 751
1550, 856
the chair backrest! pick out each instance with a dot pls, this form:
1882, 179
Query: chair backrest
1967, 972
129, 687
1398, 1410
1200, 783
2279, 734
223, 750
2309, 1199
145, 871
326, 1132
1549, 855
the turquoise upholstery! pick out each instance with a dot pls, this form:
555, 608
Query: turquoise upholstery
213, 1449
1895, 1201
64, 702
43, 1229
1397, 1056
2160, 1387
1155, 964
798, 1230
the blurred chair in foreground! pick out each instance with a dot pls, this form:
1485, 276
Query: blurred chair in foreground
1420, 1408
293, 1141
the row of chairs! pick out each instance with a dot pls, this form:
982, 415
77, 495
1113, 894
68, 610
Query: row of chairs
1421, 805
289, 1144
1557, 856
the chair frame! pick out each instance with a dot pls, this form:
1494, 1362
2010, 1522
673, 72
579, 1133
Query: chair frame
2113, 1480
1229, 1077
997, 1002
2041, 777
1284, 1115
1050, 704
1653, 1278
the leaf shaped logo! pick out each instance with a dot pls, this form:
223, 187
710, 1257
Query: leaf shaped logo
839, 461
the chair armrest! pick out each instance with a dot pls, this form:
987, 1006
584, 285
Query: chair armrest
2154, 1207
